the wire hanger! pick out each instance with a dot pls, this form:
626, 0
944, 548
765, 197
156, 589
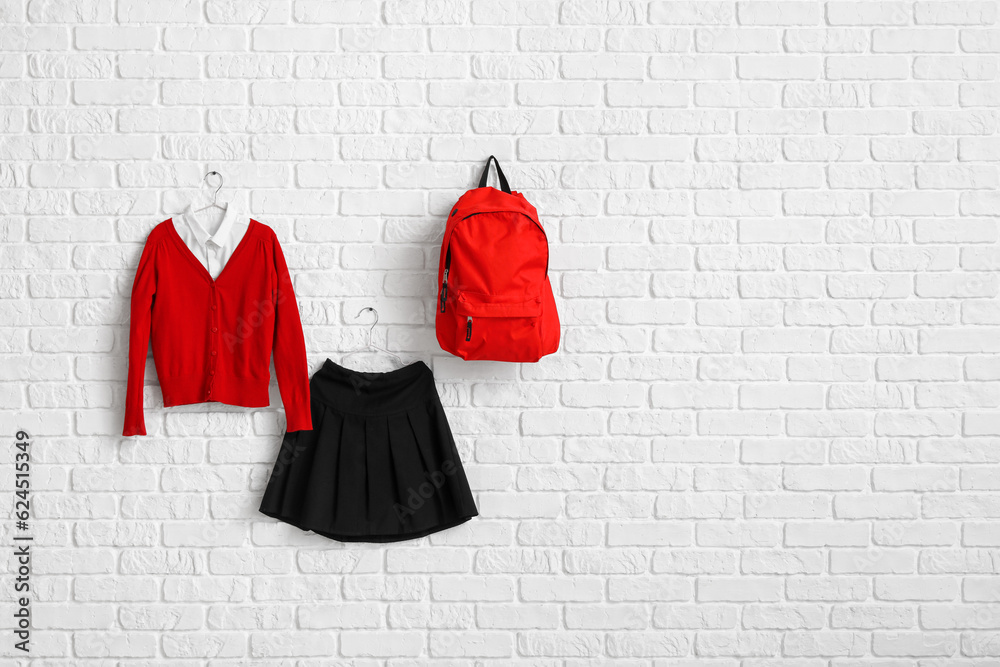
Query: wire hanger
370, 344
215, 197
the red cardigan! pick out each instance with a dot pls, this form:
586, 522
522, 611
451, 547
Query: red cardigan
212, 339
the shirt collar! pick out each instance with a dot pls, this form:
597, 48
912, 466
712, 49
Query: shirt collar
201, 235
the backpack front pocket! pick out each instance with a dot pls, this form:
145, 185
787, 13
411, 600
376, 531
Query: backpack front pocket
502, 330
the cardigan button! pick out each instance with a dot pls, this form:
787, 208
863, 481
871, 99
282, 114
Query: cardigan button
212, 372
213, 353
214, 329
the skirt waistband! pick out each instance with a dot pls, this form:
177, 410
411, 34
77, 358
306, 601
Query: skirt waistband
366, 393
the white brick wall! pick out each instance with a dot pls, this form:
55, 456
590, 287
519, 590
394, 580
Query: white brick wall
770, 437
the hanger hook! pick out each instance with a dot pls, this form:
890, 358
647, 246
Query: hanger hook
214, 173
371, 329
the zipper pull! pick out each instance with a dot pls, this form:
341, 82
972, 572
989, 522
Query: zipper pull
468, 328
444, 289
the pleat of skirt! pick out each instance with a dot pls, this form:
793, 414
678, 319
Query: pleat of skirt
379, 465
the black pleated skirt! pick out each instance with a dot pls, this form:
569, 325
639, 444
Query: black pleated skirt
380, 464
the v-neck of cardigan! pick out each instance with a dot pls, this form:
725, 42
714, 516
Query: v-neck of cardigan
186, 251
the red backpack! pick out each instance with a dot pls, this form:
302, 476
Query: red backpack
494, 298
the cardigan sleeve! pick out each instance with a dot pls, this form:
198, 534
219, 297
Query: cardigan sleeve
290, 363
143, 293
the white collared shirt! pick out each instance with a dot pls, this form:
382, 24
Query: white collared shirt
212, 250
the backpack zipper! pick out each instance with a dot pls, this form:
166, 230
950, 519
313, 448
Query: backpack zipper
468, 328
444, 290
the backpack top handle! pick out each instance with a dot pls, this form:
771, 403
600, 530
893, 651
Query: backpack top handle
500, 177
